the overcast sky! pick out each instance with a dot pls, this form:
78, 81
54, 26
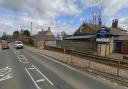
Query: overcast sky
60, 15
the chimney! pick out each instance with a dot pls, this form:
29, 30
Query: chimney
49, 28
112, 23
115, 23
42, 29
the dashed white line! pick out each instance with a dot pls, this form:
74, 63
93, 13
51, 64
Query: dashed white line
43, 75
32, 78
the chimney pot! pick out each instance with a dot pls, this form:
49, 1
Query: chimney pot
49, 28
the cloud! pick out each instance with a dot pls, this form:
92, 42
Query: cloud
43, 13
42, 7
40, 12
113, 6
110, 7
90, 3
124, 22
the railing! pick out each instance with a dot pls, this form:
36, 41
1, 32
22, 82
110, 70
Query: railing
113, 68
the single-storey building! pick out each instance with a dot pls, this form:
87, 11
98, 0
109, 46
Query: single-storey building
84, 39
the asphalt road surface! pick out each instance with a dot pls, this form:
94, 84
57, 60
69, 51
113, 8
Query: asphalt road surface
23, 69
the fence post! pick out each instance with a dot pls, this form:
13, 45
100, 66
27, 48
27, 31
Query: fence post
118, 68
71, 57
89, 62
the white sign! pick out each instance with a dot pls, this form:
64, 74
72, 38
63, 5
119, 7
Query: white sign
103, 40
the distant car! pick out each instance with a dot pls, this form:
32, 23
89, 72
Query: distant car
5, 45
19, 45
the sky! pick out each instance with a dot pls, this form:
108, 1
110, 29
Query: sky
60, 15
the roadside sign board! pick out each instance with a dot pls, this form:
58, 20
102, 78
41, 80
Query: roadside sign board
102, 35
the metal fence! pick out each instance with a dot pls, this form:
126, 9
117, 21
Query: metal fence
114, 68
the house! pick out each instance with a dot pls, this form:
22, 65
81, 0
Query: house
84, 38
44, 38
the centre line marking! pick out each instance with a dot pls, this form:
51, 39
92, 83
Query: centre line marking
43, 75
32, 79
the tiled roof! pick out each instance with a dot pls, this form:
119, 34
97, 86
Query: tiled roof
122, 38
118, 32
80, 37
89, 29
42, 35
46, 38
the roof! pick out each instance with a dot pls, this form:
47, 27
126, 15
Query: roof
80, 37
88, 30
44, 36
119, 32
122, 38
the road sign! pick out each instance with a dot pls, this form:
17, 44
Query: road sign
102, 35
104, 32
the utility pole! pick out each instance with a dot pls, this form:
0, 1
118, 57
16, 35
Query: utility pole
31, 28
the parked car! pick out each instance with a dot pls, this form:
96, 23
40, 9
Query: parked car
19, 45
5, 45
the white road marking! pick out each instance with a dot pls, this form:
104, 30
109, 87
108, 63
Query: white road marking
40, 80
16, 52
32, 79
67, 65
43, 76
6, 77
22, 57
5, 73
31, 68
19, 58
26, 62
58, 62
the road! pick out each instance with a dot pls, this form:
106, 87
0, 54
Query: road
23, 69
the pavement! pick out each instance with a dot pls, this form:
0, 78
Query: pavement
26, 69
83, 63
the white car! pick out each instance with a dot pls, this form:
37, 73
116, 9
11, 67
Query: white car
19, 44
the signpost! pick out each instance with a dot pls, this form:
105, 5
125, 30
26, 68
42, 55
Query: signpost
103, 40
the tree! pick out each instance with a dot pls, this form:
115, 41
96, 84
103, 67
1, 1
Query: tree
16, 33
4, 36
26, 33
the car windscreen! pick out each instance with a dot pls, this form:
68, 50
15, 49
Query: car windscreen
18, 42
